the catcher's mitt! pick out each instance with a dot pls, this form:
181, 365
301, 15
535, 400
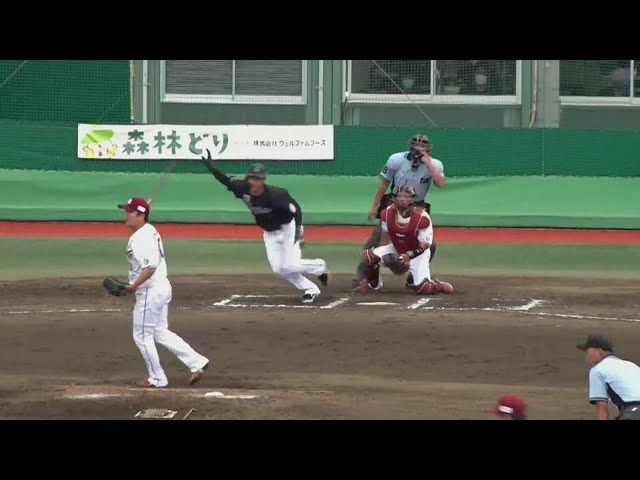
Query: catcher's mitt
115, 287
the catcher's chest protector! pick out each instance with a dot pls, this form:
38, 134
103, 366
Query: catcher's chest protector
404, 237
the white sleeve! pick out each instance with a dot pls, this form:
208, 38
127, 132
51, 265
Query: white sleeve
597, 387
385, 227
146, 251
438, 164
425, 235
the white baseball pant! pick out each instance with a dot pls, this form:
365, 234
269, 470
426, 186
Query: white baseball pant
151, 326
285, 258
419, 266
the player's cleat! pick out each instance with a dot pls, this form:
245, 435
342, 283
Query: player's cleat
324, 279
426, 288
146, 384
364, 287
443, 287
355, 282
309, 297
409, 283
197, 375
434, 286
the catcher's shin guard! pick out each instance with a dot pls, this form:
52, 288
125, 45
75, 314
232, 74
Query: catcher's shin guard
371, 281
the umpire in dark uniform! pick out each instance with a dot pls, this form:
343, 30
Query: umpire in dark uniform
414, 167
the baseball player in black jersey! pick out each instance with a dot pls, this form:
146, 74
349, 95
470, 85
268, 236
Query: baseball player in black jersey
280, 218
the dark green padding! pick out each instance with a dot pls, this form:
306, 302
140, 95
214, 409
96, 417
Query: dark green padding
554, 202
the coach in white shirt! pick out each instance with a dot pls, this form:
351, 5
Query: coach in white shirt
611, 378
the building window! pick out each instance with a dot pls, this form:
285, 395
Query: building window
476, 77
234, 81
595, 78
381, 76
599, 82
434, 81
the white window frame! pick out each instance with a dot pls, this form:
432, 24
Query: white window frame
630, 101
233, 98
436, 99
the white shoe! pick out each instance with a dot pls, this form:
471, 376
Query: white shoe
309, 297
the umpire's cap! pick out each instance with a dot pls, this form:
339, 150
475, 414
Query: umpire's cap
596, 341
257, 170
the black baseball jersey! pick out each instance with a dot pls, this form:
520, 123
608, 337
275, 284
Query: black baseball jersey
272, 209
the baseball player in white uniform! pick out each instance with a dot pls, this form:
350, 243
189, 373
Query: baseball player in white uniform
148, 281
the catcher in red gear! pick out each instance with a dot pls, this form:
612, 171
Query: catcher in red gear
407, 234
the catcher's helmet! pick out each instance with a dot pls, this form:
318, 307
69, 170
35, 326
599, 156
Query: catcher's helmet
404, 198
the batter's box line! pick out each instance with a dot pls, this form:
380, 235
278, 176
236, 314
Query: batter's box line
542, 314
227, 303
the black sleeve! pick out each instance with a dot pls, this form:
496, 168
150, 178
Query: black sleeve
221, 177
238, 187
284, 200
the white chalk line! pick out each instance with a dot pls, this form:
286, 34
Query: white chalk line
71, 310
340, 301
268, 305
224, 302
92, 396
419, 303
532, 304
524, 312
376, 304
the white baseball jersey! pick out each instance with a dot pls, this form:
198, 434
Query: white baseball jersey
145, 250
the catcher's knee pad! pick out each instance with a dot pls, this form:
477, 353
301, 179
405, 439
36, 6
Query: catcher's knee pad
370, 258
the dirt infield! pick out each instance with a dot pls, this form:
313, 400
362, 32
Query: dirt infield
68, 352
322, 233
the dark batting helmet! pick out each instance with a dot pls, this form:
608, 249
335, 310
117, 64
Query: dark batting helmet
419, 144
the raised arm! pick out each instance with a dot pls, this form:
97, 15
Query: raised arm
221, 177
437, 170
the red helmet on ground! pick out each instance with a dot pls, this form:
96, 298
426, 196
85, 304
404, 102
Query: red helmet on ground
511, 407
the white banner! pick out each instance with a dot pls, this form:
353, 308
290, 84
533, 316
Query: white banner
190, 142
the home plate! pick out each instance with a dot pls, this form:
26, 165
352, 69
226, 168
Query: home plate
376, 304
222, 395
